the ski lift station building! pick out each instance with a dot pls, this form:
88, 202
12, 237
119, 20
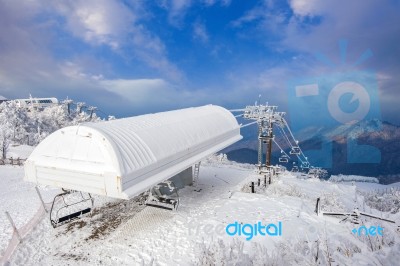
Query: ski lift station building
125, 157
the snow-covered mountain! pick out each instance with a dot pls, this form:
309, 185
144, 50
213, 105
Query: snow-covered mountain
382, 135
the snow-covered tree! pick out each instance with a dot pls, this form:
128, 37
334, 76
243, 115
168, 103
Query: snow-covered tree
5, 135
13, 125
68, 102
23, 126
15, 118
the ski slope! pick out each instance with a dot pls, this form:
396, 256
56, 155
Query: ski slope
129, 233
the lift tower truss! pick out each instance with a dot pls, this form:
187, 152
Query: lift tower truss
266, 117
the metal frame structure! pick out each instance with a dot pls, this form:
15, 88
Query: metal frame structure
266, 116
350, 216
158, 199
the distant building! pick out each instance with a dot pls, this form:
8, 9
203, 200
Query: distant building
36, 103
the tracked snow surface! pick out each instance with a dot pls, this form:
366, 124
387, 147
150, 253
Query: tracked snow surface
129, 233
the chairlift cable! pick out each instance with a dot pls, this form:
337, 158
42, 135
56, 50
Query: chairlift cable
301, 151
276, 143
285, 135
249, 124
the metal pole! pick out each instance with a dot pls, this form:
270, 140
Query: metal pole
14, 227
269, 144
266, 152
260, 149
41, 199
317, 206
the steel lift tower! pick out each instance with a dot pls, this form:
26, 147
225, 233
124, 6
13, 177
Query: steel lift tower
266, 117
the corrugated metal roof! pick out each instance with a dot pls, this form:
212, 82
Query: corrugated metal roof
138, 151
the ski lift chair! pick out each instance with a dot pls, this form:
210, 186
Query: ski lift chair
71, 208
295, 150
284, 159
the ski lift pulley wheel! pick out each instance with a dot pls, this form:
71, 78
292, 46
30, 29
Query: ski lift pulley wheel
56, 216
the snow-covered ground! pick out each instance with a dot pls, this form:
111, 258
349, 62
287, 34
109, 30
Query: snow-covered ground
17, 197
19, 151
129, 233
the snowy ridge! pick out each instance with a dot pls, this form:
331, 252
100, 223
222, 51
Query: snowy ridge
351, 178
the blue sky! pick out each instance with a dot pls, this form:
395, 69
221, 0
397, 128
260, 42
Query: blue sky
135, 57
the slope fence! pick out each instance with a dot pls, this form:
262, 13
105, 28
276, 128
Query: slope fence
12, 161
20, 233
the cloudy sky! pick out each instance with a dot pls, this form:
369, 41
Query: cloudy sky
134, 57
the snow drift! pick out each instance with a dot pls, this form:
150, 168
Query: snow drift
122, 158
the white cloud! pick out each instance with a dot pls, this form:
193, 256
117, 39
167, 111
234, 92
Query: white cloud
159, 94
268, 18
112, 23
226, 2
138, 91
213, 2
360, 23
177, 11
251, 15
304, 7
30, 37
97, 21
318, 26
28, 64
72, 70
151, 94
151, 50
200, 32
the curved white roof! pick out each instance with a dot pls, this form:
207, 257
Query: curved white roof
122, 158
